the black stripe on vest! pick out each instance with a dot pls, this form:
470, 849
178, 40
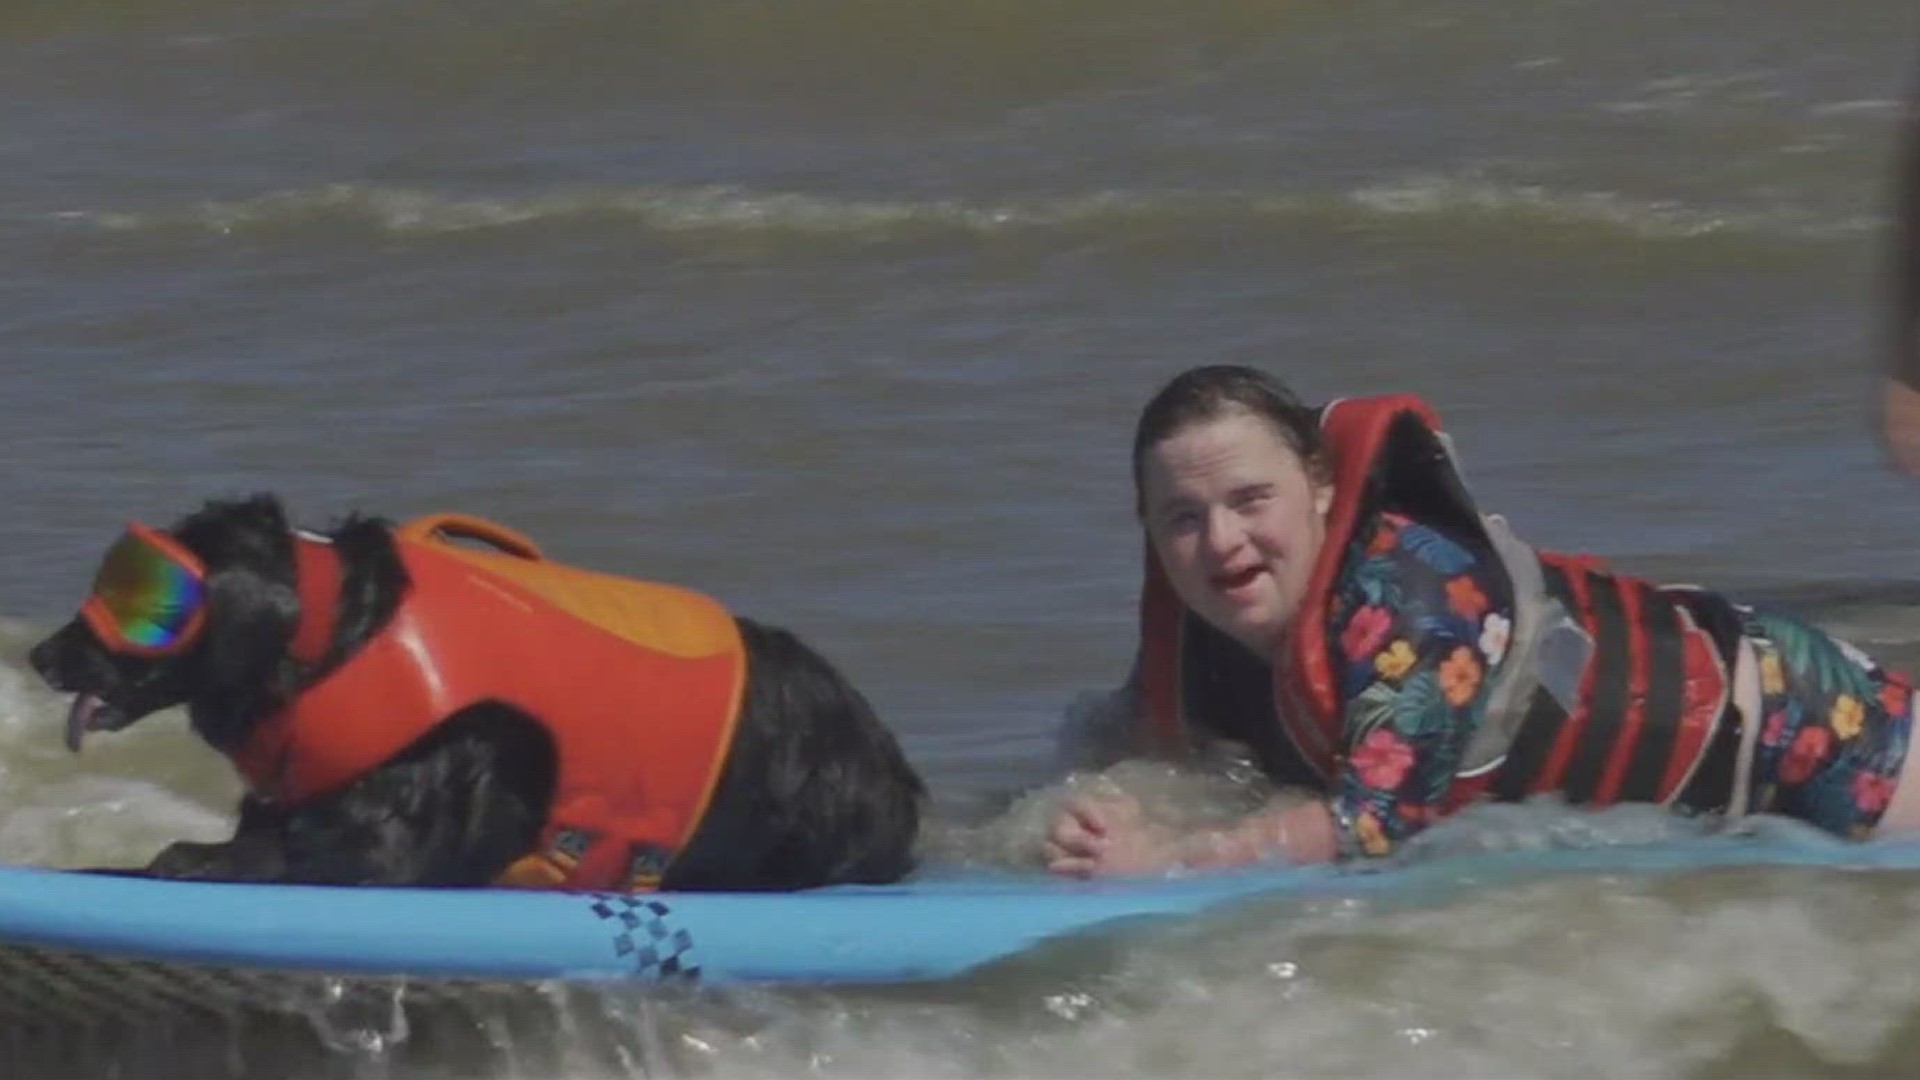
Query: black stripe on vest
1540, 727
1607, 702
1666, 686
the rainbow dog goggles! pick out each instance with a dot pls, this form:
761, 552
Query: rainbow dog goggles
149, 597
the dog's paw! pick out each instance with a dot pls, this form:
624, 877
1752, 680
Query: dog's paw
184, 861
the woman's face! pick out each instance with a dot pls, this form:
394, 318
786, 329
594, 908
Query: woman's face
1237, 521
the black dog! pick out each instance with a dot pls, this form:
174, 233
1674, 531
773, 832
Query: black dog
814, 791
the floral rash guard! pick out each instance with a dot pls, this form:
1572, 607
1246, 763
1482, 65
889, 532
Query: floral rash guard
1419, 617
1834, 727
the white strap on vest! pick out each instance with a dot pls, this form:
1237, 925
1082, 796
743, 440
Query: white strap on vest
1548, 647
1746, 698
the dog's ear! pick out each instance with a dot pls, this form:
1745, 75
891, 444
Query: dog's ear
252, 602
244, 669
252, 610
250, 620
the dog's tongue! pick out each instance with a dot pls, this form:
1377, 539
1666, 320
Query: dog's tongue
82, 718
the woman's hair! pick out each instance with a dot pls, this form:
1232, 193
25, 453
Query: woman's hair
1201, 394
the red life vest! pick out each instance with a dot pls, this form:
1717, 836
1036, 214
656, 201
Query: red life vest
1650, 702
639, 685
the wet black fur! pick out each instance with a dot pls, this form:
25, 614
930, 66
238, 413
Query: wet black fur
815, 790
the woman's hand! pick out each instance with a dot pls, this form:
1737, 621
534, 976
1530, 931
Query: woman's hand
1109, 836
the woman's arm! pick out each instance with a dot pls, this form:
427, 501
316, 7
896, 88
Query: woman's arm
1421, 616
1113, 836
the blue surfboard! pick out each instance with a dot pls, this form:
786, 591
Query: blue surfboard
931, 928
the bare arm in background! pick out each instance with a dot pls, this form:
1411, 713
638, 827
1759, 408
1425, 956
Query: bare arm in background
1900, 393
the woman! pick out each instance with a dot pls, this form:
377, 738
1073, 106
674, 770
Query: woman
1321, 588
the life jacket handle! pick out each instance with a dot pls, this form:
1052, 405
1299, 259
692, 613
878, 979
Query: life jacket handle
445, 528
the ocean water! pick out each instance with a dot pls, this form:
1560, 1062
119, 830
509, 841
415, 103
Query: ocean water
841, 310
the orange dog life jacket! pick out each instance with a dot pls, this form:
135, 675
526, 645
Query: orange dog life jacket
638, 684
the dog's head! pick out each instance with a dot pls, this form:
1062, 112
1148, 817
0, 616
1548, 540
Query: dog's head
198, 614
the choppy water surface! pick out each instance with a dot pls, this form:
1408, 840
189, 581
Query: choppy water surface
841, 309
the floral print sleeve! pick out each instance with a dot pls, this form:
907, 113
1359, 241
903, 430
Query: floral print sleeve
1834, 727
1418, 618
